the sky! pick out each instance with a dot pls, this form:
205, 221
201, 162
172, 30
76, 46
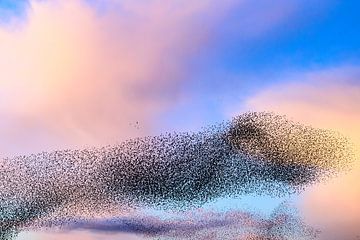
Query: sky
84, 73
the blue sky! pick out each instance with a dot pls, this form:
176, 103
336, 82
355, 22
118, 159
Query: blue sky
322, 34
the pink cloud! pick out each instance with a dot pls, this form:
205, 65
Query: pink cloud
327, 99
76, 73
72, 76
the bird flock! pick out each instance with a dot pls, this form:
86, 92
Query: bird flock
256, 152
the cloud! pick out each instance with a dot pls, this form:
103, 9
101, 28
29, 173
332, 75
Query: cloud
200, 224
75, 235
76, 73
72, 75
328, 98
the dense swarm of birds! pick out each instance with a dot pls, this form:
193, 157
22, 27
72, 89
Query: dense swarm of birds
260, 153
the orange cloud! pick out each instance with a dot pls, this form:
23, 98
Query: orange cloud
326, 99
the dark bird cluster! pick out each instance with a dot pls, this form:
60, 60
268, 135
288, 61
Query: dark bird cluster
259, 153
